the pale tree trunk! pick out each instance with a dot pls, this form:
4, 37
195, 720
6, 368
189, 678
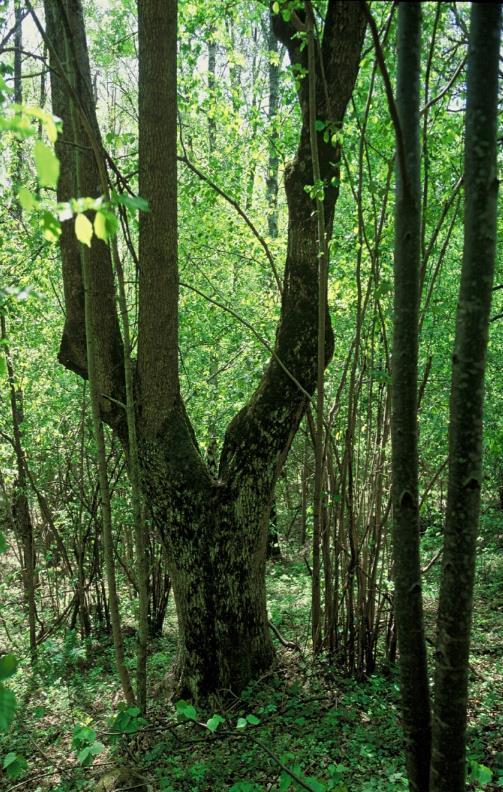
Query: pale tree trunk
467, 396
214, 528
408, 594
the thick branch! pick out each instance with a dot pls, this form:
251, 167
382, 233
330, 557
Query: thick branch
158, 378
260, 435
65, 33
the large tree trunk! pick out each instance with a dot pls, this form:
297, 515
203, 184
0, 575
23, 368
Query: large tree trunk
214, 528
221, 605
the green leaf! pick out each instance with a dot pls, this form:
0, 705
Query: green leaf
51, 226
47, 165
214, 722
8, 666
253, 720
83, 229
105, 225
479, 773
7, 707
275, 8
285, 781
242, 723
314, 784
100, 226
26, 199
132, 202
82, 736
96, 748
14, 765
187, 710
3, 543
84, 755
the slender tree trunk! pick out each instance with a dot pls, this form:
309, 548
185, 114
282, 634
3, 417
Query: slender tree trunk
273, 161
408, 595
106, 506
66, 31
212, 66
319, 450
467, 394
21, 507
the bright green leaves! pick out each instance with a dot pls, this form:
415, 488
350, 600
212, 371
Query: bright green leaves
51, 226
213, 723
8, 666
128, 720
316, 190
83, 229
27, 199
186, 710
105, 224
479, 774
85, 744
7, 707
14, 765
47, 165
189, 712
49, 223
132, 202
250, 720
286, 8
18, 119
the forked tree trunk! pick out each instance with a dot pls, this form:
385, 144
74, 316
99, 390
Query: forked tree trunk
214, 528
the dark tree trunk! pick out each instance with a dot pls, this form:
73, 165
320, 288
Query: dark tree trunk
467, 400
407, 568
214, 528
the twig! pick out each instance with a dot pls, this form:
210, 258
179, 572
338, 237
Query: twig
283, 641
446, 89
432, 561
190, 165
389, 94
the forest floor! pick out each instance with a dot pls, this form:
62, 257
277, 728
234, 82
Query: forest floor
302, 720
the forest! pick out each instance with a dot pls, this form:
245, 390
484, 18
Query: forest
251, 424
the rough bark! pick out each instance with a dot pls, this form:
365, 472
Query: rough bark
92, 270
467, 395
65, 26
215, 529
408, 595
